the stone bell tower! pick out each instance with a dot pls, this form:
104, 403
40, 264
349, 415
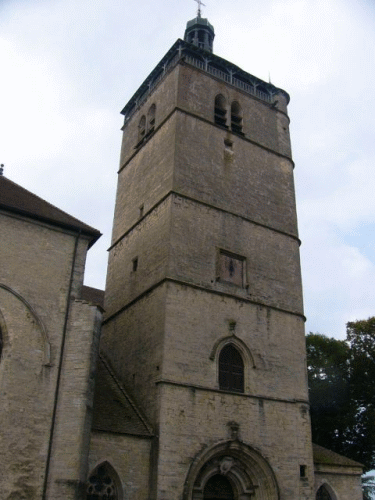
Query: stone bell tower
204, 316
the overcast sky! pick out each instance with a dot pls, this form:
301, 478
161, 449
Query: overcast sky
68, 67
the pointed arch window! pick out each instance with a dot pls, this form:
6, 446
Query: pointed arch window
220, 110
236, 117
102, 484
231, 369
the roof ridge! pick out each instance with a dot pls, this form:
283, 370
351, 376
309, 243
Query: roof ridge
330, 454
19, 200
48, 203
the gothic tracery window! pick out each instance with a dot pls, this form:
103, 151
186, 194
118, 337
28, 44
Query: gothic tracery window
101, 485
231, 369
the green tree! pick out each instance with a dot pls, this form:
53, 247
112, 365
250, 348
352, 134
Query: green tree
342, 391
361, 340
368, 487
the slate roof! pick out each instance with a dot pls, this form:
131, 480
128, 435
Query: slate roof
328, 457
17, 199
93, 295
114, 411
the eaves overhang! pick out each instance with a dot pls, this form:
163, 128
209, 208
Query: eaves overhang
179, 50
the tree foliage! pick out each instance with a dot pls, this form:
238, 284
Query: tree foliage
342, 391
368, 487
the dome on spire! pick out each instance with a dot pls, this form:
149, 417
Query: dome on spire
200, 33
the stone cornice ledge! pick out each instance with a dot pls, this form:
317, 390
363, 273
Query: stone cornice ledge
239, 394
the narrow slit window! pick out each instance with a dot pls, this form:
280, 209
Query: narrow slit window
236, 118
135, 264
141, 211
220, 110
231, 370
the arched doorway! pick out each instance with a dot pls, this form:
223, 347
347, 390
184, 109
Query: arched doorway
218, 487
323, 493
230, 470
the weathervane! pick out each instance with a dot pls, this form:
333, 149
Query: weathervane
200, 3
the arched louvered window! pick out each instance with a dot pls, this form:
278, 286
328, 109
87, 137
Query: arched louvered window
102, 484
323, 494
218, 487
220, 110
142, 128
231, 369
151, 119
201, 38
236, 117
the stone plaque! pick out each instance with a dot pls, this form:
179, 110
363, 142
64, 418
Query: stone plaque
231, 268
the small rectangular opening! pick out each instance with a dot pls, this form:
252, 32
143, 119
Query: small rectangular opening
141, 211
302, 471
135, 264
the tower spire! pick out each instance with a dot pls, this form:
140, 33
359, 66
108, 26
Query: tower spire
200, 3
199, 31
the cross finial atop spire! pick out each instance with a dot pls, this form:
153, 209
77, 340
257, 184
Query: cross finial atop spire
200, 3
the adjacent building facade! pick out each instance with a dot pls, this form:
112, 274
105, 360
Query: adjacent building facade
201, 386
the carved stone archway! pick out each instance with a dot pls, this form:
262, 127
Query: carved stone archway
249, 474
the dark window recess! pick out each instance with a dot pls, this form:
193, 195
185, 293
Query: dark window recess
220, 111
141, 129
236, 118
141, 211
231, 370
101, 486
151, 119
218, 487
302, 471
135, 264
323, 494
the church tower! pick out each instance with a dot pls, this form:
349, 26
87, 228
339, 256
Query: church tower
204, 316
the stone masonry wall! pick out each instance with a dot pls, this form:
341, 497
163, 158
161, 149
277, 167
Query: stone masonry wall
242, 178
69, 458
263, 123
34, 283
129, 456
195, 419
343, 483
272, 273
